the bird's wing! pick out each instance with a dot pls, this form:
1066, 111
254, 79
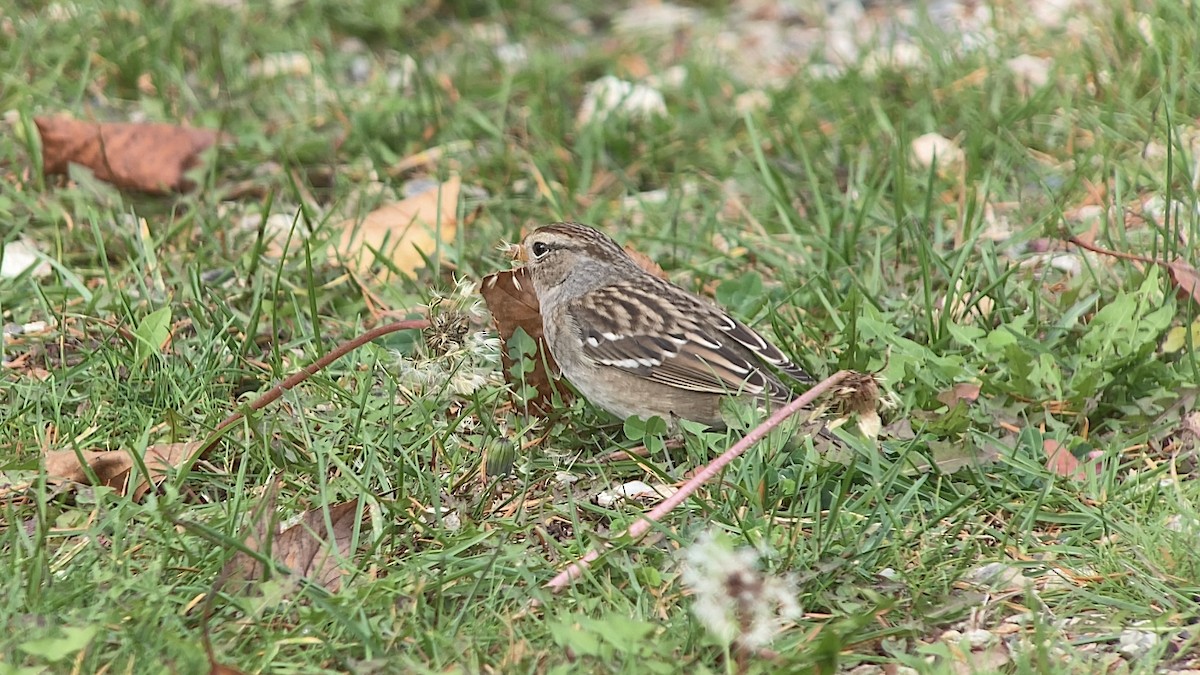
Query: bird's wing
667, 336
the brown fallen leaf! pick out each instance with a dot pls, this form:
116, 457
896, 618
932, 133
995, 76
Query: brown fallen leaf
643, 261
963, 391
1185, 277
151, 158
1059, 460
306, 549
113, 467
400, 232
510, 298
26, 366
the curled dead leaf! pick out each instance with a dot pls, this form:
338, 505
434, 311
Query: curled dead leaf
859, 394
150, 158
510, 297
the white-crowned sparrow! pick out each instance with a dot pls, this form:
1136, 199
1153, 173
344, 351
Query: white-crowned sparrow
636, 345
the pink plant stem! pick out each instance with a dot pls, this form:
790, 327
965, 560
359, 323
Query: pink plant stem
643, 525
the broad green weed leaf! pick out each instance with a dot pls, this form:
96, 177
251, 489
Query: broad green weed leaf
635, 428
55, 649
965, 336
742, 295
568, 633
621, 632
151, 333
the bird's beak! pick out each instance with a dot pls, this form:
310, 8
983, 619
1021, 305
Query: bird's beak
517, 252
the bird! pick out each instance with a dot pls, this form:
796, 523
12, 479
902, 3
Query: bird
637, 345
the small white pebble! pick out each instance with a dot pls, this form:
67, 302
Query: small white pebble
1051, 14
654, 18
1032, 72
751, 101
1087, 214
403, 74
512, 55
934, 149
979, 638
449, 519
950, 636
20, 255
1145, 25
900, 56
634, 490
360, 69
293, 64
1135, 643
58, 12
671, 78
1177, 523
610, 95
1022, 619
489, 33
999, 576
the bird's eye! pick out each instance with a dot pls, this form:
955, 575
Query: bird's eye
540, 249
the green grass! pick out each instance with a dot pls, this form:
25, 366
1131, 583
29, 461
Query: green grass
807, 218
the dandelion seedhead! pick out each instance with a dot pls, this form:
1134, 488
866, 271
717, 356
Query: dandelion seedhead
447, 332
456, 358
735, 600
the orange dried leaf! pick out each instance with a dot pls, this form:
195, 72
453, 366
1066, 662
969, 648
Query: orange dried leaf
402, 231
510, 298
151, 158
